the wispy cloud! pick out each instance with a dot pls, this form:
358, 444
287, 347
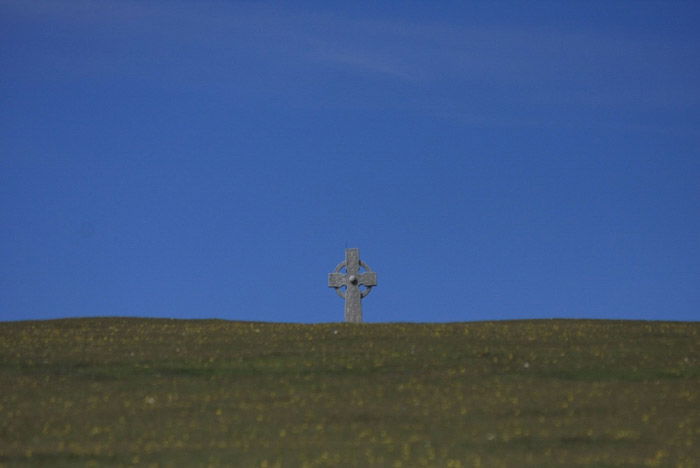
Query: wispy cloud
267, 48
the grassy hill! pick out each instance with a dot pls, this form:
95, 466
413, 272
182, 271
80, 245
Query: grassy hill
124, 391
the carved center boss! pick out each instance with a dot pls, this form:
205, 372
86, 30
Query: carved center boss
352, 280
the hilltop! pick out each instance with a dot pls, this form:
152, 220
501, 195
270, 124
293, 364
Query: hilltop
197, 392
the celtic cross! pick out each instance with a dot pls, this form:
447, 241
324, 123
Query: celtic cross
349, 285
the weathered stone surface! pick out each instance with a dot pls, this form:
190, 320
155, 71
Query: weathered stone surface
349, 285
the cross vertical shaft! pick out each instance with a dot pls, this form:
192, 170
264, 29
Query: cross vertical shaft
353, 303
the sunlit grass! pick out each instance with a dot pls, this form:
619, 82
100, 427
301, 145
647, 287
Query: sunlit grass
176, 393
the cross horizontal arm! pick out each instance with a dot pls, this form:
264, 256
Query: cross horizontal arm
336, 280
368, 278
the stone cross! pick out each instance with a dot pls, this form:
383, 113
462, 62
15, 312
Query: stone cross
351, 281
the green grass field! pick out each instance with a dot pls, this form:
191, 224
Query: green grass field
118, 391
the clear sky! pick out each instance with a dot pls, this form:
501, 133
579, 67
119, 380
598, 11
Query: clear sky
211, 159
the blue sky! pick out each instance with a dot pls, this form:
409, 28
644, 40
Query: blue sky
491, 160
